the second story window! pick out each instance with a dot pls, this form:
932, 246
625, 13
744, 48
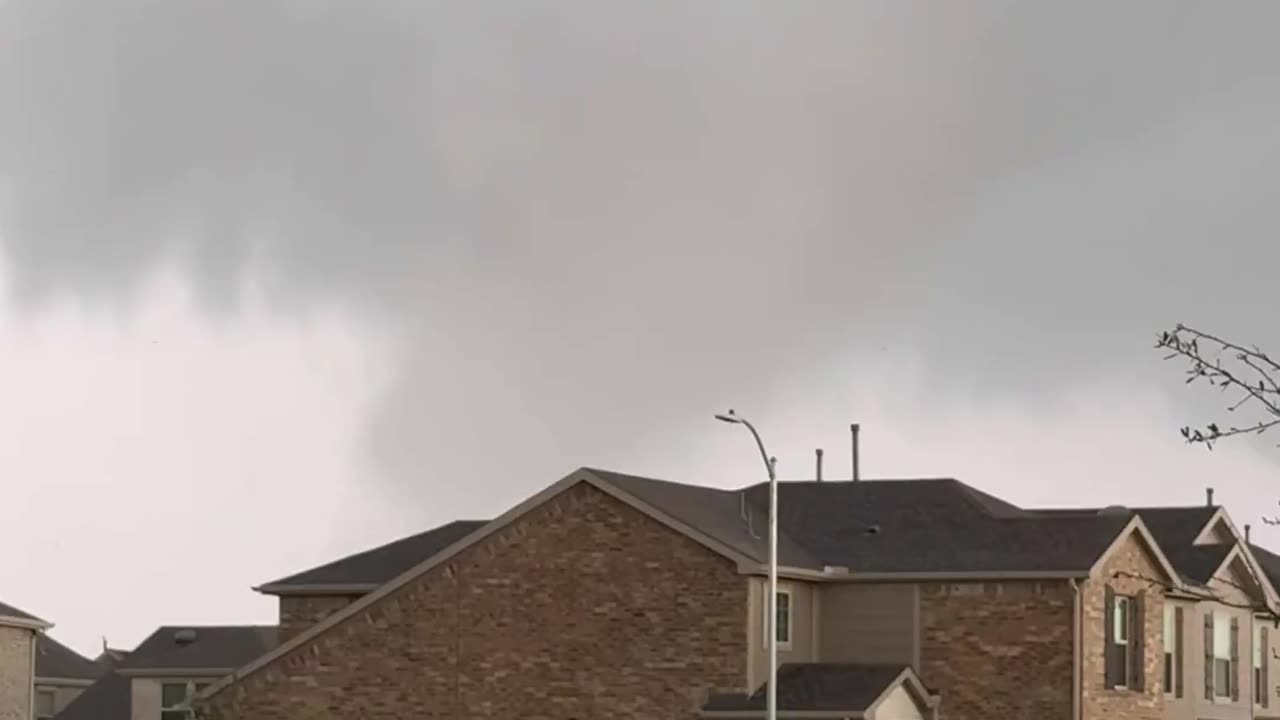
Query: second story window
783, 619
173, 698
1172, 650
1222, 653
1261, 653
1124, 640
1120, 635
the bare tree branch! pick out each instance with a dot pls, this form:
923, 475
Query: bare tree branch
1197, 593
1255, 376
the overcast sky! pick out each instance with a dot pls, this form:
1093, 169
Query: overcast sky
282, 280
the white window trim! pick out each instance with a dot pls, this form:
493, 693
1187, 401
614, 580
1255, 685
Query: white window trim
791, 614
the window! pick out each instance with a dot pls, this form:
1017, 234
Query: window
1170, 648
1221, 655
45, 706
784, 619
172, 697
1259, 682
1120, 633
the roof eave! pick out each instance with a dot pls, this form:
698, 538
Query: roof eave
175, 672
783, 713
288, 589
917, 576
30, 623
71, 682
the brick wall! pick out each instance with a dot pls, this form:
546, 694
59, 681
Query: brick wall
300, 612
16, 682
1100, 702
584, 608
998, 650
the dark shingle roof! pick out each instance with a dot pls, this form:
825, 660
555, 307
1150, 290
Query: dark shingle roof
107, 699
1174, 526
725, 515
55, 660
1269, 561
13, 612
817, 686
380, 564
214, 647
1197, 563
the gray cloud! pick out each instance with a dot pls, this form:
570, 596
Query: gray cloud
582, 218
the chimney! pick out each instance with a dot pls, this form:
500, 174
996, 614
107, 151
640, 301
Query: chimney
853, 430
1208, 497
818, 452
1246, 533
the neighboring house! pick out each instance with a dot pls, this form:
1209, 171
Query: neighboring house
61, 674
18, 635
608, 595
156, 679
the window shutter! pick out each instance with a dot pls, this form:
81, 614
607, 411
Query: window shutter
1265, 691
1235, 659
1177, 644
1109, 638
1208, 656
1137, 635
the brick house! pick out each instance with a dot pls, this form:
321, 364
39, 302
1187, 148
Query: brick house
607, 595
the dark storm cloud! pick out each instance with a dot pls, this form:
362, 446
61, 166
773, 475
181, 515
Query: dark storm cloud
584, 216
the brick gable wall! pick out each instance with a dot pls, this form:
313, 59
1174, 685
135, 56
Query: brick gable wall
299, 612
583, 608
998, 649
1100, 702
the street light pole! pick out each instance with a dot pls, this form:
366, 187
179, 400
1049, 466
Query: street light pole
771, 623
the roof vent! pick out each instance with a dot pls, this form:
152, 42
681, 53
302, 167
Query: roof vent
873, 530
184, 637
1114, 511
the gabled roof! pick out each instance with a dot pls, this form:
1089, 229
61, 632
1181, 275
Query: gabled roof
366, 570
1269, 562
932, 526
10, 615
189, 648
726, 515
109, 698
57, 661
819, 687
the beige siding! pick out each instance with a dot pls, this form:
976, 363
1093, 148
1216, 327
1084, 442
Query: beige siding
869, 623
803, 648
16, 664
1193, 705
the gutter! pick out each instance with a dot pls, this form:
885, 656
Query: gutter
843, 574
175, 672
1076, 654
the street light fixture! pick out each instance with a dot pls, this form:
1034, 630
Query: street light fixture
771, 465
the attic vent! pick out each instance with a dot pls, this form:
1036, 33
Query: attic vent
184, 637
1114, 511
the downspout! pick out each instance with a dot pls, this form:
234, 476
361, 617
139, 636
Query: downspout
31, 699
1075, 649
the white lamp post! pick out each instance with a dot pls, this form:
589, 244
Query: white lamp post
771, 464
